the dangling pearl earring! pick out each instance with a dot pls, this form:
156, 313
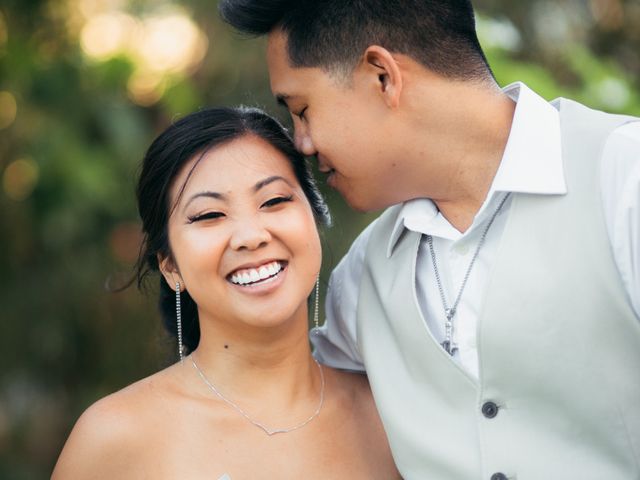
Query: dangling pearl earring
316, 312
179, 322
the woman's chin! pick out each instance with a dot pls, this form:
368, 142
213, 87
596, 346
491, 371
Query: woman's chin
275, 317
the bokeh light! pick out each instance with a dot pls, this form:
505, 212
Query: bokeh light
8, 109
170, 43
145, 88
613, 92
20, 178
159, 44
500, 33
108, 34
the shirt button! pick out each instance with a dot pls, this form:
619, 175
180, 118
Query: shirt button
499, 476
490, 410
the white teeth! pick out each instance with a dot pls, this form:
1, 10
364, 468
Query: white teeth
252, 275
274, 268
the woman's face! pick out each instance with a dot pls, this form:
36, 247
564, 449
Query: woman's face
243, 236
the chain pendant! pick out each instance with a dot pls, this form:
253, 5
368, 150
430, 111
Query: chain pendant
449, 347
448, 344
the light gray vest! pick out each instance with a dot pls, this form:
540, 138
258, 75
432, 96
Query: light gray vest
558, 343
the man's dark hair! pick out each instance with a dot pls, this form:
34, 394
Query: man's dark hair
333, 34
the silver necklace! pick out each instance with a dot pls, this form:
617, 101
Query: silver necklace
450, 312
261, 426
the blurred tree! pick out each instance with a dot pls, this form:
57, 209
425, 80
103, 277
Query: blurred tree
85, 85
583, 49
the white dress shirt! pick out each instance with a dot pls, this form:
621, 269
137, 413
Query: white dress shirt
532, 163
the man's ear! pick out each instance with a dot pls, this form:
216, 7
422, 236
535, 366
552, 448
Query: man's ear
170, 272
386, 67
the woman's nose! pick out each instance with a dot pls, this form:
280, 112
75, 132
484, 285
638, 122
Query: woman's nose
249, 234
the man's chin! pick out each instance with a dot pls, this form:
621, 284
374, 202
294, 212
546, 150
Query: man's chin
359, 204
356, 201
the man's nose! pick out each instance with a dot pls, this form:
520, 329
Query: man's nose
249, 234
303, 142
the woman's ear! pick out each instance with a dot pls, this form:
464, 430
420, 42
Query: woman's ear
382, 63
170, 272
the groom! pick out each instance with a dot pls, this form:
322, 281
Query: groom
495, 303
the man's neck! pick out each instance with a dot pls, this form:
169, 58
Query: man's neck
455, 161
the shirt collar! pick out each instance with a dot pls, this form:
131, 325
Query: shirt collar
532, 160
531, 163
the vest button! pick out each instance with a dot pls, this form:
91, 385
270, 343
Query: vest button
490, 410
499, 476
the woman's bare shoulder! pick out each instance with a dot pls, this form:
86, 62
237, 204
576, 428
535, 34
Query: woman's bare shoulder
109, 435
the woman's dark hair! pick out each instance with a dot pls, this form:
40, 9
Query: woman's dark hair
187, 138
333, 34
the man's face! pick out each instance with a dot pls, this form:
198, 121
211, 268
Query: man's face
339, 121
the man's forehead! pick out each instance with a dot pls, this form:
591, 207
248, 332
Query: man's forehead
286, 80
277, 48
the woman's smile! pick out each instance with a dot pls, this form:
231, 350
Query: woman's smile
263, 278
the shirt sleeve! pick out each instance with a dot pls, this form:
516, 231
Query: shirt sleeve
336, 343
620, 184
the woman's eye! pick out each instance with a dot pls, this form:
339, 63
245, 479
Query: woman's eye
277, 200
205, 216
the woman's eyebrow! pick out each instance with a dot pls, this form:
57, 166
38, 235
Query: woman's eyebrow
207, 194
269, 180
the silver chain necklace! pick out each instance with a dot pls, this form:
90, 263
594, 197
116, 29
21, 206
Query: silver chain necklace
450, 312
261, 426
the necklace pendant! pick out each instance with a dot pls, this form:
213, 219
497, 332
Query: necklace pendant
449, 347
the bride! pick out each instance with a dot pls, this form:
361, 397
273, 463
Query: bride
230, 216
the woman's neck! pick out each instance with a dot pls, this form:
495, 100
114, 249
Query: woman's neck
258, 366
